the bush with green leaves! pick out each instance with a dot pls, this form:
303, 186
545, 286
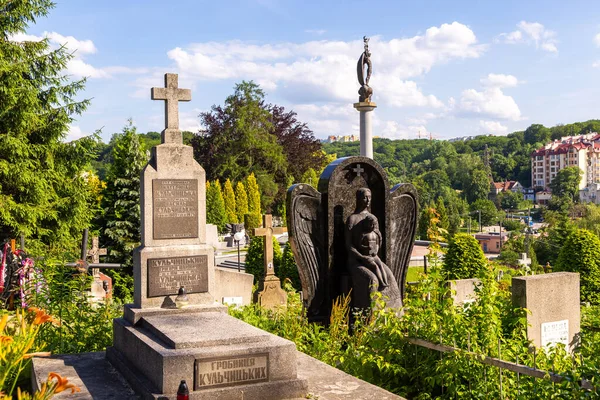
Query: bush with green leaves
251, 222
464, 258
288, 268
581, 253
255, 259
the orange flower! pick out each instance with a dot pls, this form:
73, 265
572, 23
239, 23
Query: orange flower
62, 384
40, 316
5, 339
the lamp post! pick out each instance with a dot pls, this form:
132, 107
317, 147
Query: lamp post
237, 237
480, 227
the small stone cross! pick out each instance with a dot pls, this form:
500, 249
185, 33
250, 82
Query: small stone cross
172, 95
359, 170
95, 252
267, 231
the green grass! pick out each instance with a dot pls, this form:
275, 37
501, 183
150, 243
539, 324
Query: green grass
413, 274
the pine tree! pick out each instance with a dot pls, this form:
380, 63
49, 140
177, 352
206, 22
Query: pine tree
229, 199
121, 201
215, 206
44, 193
241, 201
253, 195
310, 177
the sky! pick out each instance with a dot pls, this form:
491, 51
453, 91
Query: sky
440, 68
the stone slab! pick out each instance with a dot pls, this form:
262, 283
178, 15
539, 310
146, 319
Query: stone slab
133, 314
173, 163
463, 290
149, 353
551, 299
144, 273
99, 380
231, 283
175, 330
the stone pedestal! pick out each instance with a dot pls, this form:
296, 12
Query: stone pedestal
272, 295
219, 356
553, 300
366, 130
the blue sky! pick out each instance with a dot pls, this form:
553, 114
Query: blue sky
452, 68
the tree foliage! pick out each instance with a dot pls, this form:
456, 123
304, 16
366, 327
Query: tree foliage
44, 192
566, 183
254, 205
581, 253
246, 135
241, 201
215, 206
464, 258
489, 213
120, 224
229, 200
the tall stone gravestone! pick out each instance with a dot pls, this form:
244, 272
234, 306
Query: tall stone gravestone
167, 336
554, 304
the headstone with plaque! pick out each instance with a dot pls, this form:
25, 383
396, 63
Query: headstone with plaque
553, 302
174, 330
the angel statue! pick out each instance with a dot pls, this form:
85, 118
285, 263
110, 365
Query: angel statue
352, 235
365, 92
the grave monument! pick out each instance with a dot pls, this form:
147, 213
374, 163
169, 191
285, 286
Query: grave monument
352, 235
174, 330
271, 294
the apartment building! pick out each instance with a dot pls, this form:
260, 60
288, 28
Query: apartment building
582, 151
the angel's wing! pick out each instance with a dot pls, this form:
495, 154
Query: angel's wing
402, 223
306, 239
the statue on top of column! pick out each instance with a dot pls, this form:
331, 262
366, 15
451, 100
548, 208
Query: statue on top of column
365, 92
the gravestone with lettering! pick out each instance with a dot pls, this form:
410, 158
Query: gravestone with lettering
174, 330
554, 304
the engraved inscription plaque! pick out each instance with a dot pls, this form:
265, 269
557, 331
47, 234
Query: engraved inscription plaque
555, 332
166, 275
229, 371
175, 208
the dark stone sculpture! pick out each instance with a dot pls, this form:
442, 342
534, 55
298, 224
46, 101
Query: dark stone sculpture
353, 234
365, 92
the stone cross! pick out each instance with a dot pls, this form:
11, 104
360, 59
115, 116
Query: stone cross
267, 231
359, 170
95, 252
271, 296
172, 95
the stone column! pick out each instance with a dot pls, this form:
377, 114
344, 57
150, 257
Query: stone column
366, 129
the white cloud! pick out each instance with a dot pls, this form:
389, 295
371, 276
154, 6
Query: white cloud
491, 103
397, 130
493, 127
499, 80
596, 64
597, 39
399, 93
531, 33
74, 133
79, 48
325, 70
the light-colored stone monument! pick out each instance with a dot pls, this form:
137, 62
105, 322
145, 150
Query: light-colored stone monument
272, 295
554, 304
174, 330
365, 106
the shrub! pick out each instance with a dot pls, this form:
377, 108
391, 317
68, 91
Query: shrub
581, 253
289, 269
509, 257
255, 259
464, 259
252, 221
512, 225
